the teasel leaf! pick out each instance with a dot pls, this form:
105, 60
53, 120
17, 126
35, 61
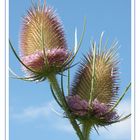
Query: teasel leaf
106, 77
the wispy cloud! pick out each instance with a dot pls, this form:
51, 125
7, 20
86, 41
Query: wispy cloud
63, 125
34, 112
118, 131
48, 111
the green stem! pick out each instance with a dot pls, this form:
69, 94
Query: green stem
54, 83
86, 128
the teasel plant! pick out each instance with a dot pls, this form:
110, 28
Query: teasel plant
91, 100
94, 92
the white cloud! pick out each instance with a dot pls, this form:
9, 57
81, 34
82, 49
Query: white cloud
63, 125
33, 112
48, 111
118, 131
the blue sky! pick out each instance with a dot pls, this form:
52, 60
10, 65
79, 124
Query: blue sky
32, 114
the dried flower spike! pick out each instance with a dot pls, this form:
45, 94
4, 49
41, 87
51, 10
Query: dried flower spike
43, 45
94, 92
98, 76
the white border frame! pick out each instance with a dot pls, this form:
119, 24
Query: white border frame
132, 71
4, 117
7, 70
137, 70
2, 71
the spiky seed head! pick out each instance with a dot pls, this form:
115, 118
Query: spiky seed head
103, 85
41, 28
43, 45
93, 97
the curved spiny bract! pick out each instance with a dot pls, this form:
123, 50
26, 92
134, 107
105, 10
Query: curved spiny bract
41, 28
105, 79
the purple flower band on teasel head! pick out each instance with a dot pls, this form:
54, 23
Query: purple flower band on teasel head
81, 107
37, 62
42, 29
78, 107
57, 56
99, 109
34, 61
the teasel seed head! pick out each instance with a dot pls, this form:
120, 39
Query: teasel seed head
95, 87
41, 28
98, 75
43, 46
